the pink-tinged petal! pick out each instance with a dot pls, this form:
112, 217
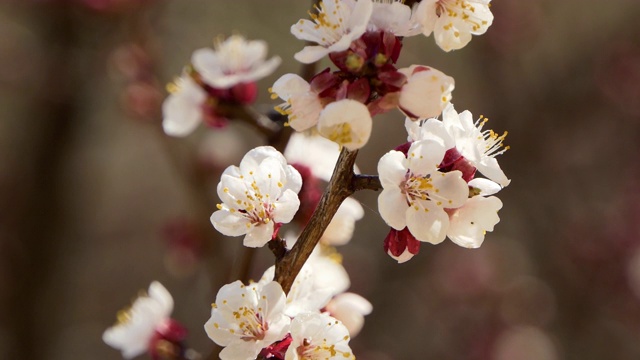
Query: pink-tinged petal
392, 205
450, 189
286, 207
230, 224
426, 93
259, 235
392, 169
346, 122
470, 223
485, 186
427, 222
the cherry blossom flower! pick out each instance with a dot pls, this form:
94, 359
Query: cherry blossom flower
182, 109
426, 92
340, 229
302, 105
245, 319
454, 21
318, 337
479, 147
257, 195
147, 318
346, 122
415, 193
234, 61
333, 28
350, 309
395, 17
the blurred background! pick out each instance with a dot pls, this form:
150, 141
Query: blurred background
96, 202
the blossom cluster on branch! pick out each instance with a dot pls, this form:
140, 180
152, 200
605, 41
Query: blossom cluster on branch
300, 308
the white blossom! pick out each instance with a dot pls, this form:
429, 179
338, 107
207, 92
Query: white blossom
346, 122
261, 192
454, 21
415, 193
351, 309
136, 326
479, 147
426, 92
245, 319
302, 105
469, 223
318, 337
333, 28
395, 17
234, 61
340, 229
182, 109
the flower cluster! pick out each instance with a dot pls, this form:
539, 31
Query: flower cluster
251, 320
257, 196
430, 190
217, 77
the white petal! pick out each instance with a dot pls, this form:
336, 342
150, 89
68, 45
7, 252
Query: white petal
426, 92
259, 235
489, 167
470, 223
427, 222
486, 187
424, 156
392, 205
289, 84
451, 189
230, 224
392, 169
286, 207
181, 111
311, 54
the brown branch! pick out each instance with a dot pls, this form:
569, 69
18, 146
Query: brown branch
365, 182
288, 267
279, 248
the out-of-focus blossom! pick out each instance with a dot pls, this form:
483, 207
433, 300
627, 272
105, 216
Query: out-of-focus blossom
395, 17
415, 193
351, 309
146, 321
245, 319
346, 122
318, 337
182, 110
256, 196
234, 61
333, 28
340, 229
454, 21
426, 92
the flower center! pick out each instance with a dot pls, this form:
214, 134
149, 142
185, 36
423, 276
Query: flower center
251, 324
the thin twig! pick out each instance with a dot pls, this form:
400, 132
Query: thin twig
366, 182
288, 267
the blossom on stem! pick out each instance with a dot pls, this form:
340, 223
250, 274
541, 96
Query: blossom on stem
415, 193
346, 122
318, 337
478, 147
138, 325
336, 24
256, 196
234, 61
426, 92
454, 21
245, 319
182, 109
